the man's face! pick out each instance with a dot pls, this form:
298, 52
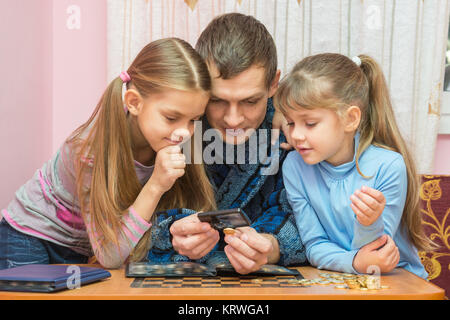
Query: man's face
238, 105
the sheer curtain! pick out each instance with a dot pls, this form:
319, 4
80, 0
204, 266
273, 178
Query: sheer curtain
407, 37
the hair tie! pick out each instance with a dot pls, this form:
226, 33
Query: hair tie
357, 60
125, 77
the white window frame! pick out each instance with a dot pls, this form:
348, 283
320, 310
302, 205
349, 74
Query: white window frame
444, 123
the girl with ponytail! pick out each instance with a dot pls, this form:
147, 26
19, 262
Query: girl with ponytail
352, 183
98, 195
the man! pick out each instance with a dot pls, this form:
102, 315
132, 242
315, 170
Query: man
242, 60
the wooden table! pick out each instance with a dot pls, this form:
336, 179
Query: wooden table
402, 285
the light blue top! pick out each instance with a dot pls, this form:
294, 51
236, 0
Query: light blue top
320, 198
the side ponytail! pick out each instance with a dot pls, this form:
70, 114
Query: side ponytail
106, 180
334, 81
378, 127
109, 143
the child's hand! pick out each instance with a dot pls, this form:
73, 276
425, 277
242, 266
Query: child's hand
368, 205
169, 166
382, 253
279, 122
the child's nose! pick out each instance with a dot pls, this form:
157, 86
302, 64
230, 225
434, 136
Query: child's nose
297, 134
180, 134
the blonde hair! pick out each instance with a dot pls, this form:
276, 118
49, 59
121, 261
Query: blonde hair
113, 183
334, 81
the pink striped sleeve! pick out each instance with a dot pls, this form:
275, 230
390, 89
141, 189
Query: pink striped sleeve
134, 227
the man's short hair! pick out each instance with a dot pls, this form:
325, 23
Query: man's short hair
234, 42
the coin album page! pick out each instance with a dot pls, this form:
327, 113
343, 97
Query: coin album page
190, 269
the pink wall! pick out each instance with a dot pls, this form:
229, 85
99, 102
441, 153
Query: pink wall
79, 64
25, 91
55, 78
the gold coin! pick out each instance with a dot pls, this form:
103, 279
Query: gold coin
304, 281
341, 287
353, 284
372, 282
229, 231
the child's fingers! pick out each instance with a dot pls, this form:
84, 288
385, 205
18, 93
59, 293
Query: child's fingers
376, 194
173, 149
365, 209
362, 218
177, 157
389, 247
376, 244
368, 200
393, 258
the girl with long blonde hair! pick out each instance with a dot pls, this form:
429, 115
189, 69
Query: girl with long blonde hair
352, 182
99, 193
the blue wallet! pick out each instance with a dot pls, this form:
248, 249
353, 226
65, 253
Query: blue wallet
48, 277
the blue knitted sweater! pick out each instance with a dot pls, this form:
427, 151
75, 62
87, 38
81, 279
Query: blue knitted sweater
261, 196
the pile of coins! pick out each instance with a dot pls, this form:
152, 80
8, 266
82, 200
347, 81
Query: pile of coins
343, 281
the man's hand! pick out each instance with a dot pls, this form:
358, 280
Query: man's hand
193, 238
382, 253
368, 205
279, 122
248, 250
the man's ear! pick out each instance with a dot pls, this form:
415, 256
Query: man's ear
274, 85
352, 118
133, 101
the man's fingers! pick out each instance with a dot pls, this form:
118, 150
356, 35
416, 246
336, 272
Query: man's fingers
188, 243
189, 228
285, 146
242, 247
275, 135
255, 241
202, 247
229, 251
245, 265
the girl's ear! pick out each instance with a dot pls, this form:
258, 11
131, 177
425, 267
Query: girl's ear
352, 118
133, 101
